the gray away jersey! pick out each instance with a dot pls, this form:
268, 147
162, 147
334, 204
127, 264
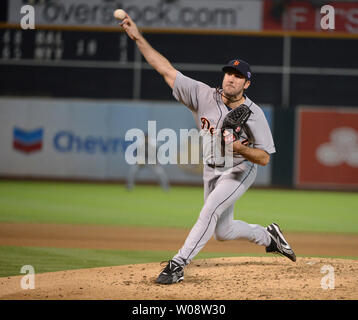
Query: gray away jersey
209, 112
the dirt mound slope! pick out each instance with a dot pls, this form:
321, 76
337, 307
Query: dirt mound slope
221, 278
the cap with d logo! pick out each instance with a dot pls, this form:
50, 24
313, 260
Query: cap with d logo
240, 66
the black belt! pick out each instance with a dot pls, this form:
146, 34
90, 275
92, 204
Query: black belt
223, 165
212, 166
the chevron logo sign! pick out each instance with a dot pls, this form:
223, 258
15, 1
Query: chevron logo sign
27, 141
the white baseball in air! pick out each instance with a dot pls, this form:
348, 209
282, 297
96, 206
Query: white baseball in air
119, 14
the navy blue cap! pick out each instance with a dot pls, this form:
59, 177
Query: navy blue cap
241, 66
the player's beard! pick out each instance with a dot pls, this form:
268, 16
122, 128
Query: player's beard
233, 95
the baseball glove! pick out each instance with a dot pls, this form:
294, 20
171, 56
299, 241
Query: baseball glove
235, 120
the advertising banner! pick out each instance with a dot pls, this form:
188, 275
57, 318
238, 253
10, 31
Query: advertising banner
327, 148
199, 14
77, 139
307, 16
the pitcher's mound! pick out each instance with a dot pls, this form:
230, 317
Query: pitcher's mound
220, 278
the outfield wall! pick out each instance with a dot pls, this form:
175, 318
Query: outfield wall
328, 157
79, 139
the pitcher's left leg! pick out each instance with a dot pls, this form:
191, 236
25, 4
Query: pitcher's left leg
229, 229
224, 195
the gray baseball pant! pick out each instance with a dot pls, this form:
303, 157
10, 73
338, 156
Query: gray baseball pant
217, 215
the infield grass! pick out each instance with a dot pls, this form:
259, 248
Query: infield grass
58, 259
111, 204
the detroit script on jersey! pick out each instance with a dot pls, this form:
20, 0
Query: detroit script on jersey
209, 111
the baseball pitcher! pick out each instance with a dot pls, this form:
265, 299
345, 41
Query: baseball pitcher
245, 128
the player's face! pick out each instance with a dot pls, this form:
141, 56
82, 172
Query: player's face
234, 84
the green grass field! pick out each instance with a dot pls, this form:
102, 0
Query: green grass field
79, 203
111, 204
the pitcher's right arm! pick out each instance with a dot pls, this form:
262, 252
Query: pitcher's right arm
153, 57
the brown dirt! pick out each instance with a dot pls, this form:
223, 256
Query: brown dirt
223, 278
141, 238
210, 279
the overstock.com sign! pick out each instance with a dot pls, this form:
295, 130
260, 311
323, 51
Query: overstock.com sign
200, 14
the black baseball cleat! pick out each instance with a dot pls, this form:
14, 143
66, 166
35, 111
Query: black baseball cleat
278, 242
172, 273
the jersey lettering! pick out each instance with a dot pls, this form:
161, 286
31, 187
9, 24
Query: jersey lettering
205, 124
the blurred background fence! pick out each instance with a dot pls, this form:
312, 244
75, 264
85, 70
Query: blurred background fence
71, 87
